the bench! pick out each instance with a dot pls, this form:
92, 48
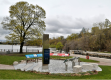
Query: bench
33, 56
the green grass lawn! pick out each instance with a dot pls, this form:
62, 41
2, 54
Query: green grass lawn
81, 59
60, 57
88, 60
9, 59
16, 74
5, 59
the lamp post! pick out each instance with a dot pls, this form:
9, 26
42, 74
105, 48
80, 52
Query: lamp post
12, 46
26, 47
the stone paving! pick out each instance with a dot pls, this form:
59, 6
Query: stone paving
103, 61
56, 66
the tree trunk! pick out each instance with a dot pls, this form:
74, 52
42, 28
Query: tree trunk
21, 46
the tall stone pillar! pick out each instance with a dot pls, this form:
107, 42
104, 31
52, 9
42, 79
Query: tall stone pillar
45, 52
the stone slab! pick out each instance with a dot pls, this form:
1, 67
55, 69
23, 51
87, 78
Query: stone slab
95, 66
15, 62
88, 67
77, 68
31, 67
26, 66
39, 65
19, 66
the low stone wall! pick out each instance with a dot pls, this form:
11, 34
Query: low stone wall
93, 54
101, 55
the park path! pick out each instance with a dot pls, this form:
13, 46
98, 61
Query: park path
103, 61
6, 67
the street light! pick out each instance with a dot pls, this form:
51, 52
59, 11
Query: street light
26, 47
12, 46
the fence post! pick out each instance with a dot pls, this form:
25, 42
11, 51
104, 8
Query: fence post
1, 50
4, 50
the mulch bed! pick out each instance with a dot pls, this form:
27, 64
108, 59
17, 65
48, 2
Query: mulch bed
69, 74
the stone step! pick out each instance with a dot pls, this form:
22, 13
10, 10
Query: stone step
31, 67
26, 66
19, 66
36, 68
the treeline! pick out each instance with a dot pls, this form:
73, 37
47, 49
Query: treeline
98, 39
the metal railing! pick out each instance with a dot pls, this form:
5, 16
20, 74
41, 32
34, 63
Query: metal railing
17, 50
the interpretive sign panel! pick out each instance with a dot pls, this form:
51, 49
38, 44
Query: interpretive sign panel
46, 56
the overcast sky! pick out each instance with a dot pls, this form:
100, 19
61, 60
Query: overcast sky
64, 17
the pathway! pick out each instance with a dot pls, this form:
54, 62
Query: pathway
103, 61
8, 67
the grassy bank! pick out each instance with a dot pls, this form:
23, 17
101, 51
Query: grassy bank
17, 74
5, 59
7, 74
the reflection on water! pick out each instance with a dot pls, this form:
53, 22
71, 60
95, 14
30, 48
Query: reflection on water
16, 48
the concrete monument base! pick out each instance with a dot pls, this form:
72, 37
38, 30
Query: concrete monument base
45, 66
77, 69
95, 66
88, 67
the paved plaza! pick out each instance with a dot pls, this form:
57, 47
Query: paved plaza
55, 66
